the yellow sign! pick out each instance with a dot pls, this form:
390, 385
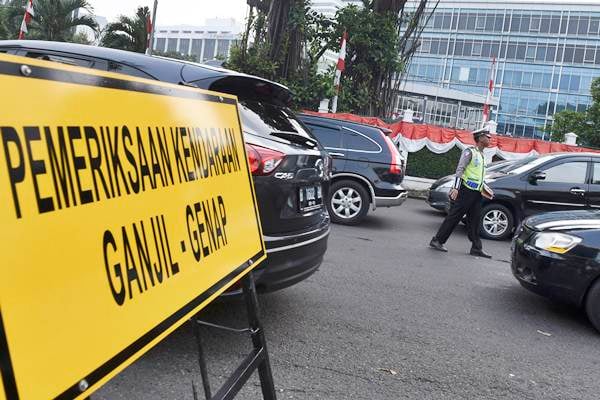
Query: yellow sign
127, 206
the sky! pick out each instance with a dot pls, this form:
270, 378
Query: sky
174, 12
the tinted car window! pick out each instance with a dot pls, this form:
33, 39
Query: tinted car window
127, 70
569, 172
358, 142
596, 176
261, 118
328, 137
81, 62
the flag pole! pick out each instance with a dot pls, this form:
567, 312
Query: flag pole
488, 99
29, 13
341, 65
151, 33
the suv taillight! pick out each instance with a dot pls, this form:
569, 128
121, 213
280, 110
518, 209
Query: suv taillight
263, 161
396, 165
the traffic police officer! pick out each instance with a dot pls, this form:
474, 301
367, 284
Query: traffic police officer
466, 196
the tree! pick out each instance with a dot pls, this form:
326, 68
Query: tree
566, 121
3, 30
282, 42
128, 33
382, 37
586, 124
58, 20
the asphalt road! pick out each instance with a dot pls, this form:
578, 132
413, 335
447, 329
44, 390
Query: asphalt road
387, 318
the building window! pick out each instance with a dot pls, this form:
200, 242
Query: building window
541, 53
489, 23
594, 26
516, 22
462, 22
184, 46
476, 49
511, 51
468, 48
568, 55
521, 50
443, 47
447, 21
579, 54
171, 44
530, 52
159, 44
574, 83
551, 53
209, 49
525, 21
584, 25
472, 18
507, 19
572, 29
498, 23
187, 31
555, 25
545, 25
223, 48
535, 24
197, 49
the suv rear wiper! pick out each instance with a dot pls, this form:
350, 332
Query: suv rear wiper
296, 138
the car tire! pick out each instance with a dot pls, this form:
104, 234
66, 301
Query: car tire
592, 304
497, 222
348, 202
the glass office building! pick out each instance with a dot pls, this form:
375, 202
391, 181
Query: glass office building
547, 53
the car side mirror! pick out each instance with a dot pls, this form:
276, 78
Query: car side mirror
537, 176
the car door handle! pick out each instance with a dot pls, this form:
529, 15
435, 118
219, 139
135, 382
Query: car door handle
332, 154
578, 192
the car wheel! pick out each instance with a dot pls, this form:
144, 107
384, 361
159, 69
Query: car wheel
348, 203
592, 305
497, 222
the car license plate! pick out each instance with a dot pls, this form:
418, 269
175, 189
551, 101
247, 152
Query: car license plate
311, 197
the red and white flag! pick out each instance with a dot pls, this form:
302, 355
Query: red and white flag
148, 31
26, 19
341, 66
488, 99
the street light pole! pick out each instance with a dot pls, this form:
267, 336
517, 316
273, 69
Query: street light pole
149, 49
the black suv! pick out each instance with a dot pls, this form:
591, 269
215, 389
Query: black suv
367, 168
291, 171
553, 182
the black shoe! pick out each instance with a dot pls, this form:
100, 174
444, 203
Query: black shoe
435, 244
479, 253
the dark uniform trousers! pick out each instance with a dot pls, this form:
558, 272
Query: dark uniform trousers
469, 203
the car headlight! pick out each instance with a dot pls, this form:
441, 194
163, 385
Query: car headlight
555, 242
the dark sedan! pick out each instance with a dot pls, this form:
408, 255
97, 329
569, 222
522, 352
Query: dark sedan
557, 255
439, 190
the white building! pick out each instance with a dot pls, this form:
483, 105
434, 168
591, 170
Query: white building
213, 40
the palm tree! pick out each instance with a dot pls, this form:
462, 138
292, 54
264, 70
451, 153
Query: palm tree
128, 33
54, 20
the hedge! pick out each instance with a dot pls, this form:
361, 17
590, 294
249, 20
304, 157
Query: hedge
425, 164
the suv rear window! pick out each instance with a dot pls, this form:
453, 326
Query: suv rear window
262, 118
356, 141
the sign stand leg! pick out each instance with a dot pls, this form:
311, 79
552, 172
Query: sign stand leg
258, 359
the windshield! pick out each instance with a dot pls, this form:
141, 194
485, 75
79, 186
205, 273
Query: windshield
261, 118
529, 165
508, 167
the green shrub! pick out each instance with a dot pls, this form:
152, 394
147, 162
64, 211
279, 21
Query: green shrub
425, 164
